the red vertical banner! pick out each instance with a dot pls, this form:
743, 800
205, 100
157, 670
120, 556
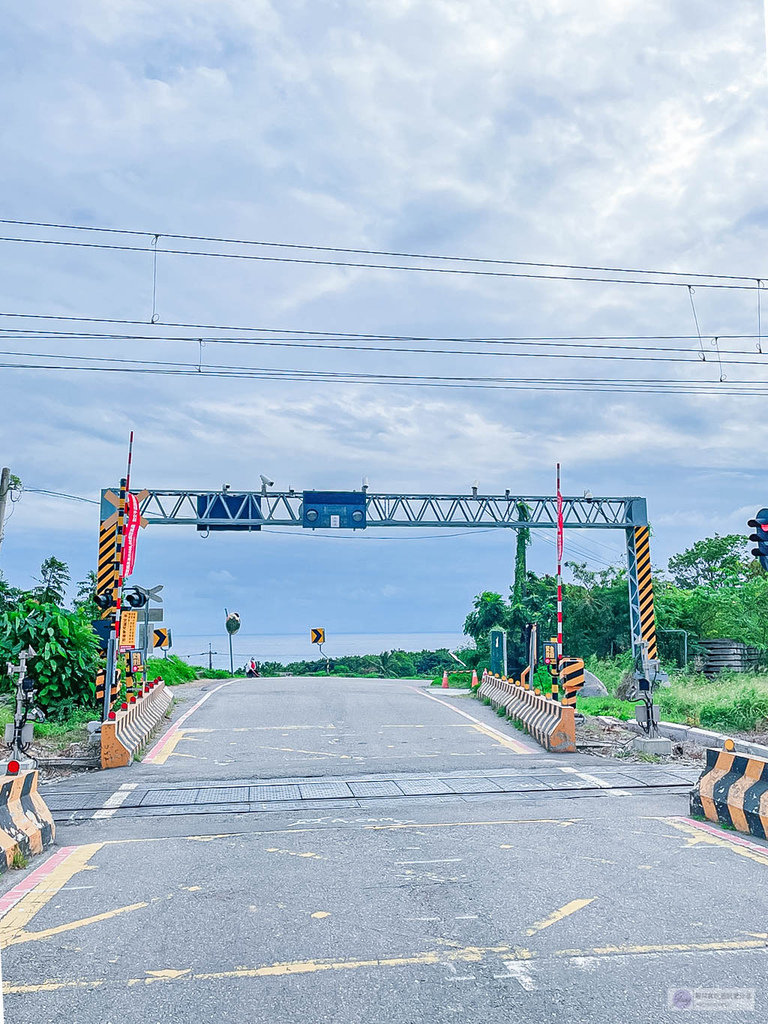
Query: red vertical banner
132, 523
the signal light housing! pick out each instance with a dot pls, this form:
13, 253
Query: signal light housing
13, 767
103, 600
760, 525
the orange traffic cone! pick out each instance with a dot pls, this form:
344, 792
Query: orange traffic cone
474, 678
445, 679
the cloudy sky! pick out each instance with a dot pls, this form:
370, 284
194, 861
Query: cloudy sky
617, 134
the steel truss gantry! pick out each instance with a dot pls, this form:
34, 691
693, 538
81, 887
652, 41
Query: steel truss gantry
265, 508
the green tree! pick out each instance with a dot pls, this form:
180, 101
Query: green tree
9, 596
400, 665
66, 653
518, 616
53, 582
85, 598
596, 612
489, 610
714, 562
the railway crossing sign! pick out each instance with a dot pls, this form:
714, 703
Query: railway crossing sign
161, 638
317, 635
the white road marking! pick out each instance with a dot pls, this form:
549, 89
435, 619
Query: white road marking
594, 781
116, 800
443, 860
520, 973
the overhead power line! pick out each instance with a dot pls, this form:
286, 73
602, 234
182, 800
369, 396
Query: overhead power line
502, 339
610, 385
547, 350
60, 494
754, 279
154, 251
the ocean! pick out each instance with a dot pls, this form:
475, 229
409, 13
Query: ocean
288, 647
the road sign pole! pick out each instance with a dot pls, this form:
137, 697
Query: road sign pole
231, 657
146, 639
109, 678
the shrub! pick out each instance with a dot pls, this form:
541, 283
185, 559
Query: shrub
66, 653
171, 670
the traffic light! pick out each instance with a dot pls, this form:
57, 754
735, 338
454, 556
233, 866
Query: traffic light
134, 598
760, 525
104, 600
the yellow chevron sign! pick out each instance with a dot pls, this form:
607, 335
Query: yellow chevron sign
161, 637
317, 636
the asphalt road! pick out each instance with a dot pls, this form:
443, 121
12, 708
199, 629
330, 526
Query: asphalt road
568, 897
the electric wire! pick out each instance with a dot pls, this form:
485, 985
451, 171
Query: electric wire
377, 337
59, 494
685, 355
370, 252
601, 385
348, 265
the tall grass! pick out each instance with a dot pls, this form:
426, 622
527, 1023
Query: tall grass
732, 702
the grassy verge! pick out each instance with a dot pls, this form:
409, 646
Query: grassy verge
733, 702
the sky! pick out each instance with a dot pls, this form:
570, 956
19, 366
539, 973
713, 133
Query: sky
618, 134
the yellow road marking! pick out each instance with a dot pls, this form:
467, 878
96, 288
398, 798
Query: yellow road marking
701, 836
466, 954
24, 936
167, 749
18, 917
558, 915
504, 741
320, 914
516, 745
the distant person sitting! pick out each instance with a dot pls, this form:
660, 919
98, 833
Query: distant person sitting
252, 671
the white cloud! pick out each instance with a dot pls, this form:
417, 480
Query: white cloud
616, 133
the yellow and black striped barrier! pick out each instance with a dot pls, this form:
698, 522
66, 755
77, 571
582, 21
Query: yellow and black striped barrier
26, 825
101, 676
571, 679
642, 538
551, 724
733, 790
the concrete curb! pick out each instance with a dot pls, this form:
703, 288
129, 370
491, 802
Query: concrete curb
550, 723
26, 824
733, 790
129, 731
691, 734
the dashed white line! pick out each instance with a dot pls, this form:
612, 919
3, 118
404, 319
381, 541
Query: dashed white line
118, 798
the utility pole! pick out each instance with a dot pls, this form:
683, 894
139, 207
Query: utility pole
5, 486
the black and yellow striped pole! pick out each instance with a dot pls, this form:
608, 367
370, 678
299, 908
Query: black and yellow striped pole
641, 609
571, 679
